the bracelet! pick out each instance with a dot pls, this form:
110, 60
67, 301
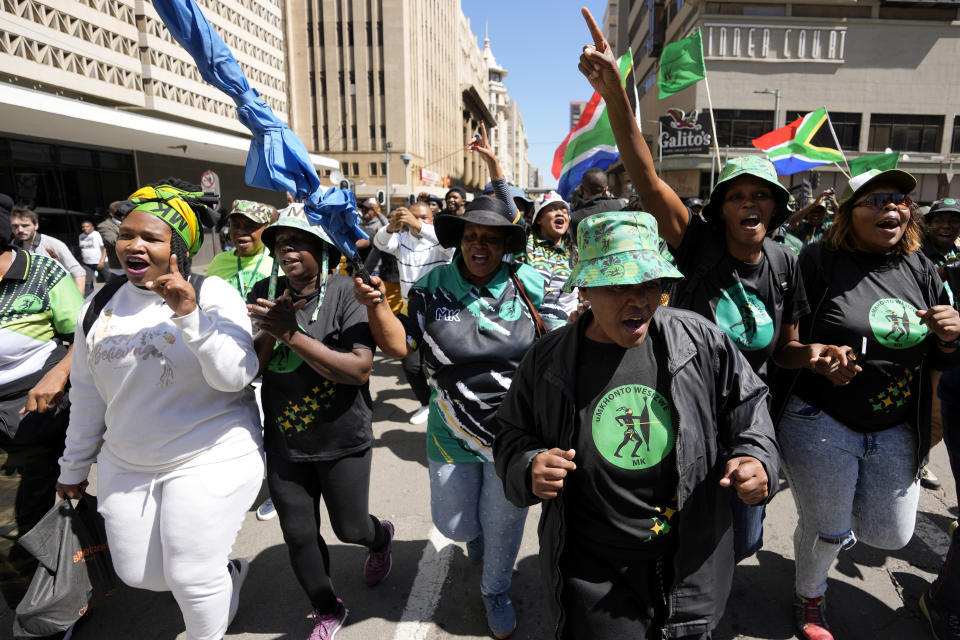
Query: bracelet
953, 344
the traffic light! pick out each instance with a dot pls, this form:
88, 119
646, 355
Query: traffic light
381, 197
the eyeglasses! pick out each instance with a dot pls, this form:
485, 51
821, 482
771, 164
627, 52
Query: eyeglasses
881, 200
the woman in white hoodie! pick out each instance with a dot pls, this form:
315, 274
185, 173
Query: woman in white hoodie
161, 403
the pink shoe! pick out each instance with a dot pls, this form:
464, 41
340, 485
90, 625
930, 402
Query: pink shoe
326, 625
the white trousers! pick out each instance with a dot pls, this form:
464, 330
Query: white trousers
173, 531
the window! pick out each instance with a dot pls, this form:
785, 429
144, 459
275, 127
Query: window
309, 35
746, 9
350, 33
356, 168
379, 33
955, 147
369, 33
339, 33
373, 168
918, 13
738, 127
494, 76
846, 126
345, 168
829, 11
383, 168
905, 132
313, 84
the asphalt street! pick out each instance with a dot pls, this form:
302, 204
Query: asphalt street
433, 592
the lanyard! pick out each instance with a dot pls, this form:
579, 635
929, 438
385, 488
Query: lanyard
256, 269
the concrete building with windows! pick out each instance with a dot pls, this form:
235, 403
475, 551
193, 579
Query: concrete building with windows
368, 73
886, 71
576, 110
509, 140
96, 98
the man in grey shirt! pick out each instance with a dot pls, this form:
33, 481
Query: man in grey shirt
26, 231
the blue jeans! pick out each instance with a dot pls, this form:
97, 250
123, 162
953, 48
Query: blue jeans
946, 588
747, 526
848, 486
466, 501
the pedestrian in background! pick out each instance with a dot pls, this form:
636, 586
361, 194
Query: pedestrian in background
27, 236
551, 252
93, 254
411, 239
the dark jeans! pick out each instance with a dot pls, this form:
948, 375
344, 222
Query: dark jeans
747, 527
946, 588
296, 488
92, 273
416, 378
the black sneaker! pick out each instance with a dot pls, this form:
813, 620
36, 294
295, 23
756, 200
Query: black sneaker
943, 626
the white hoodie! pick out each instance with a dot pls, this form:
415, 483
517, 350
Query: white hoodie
159, 392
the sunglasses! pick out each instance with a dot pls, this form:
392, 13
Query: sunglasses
881, 200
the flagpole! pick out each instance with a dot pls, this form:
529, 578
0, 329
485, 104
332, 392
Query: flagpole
839, 148
713, 123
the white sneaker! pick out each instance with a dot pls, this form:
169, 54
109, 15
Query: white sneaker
238, 568
266, 510
420, 415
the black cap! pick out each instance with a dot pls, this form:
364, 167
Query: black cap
947, 205
487, 212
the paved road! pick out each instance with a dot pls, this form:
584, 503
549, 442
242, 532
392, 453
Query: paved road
432, 593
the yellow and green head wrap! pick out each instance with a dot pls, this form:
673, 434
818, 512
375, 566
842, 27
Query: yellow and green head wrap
177, 208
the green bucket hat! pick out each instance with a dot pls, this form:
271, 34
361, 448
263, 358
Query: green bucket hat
256, 211
619, 247
759, 168
269, 236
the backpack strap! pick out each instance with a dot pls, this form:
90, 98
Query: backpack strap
102, 297
777, 256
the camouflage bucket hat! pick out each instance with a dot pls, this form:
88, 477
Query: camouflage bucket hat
256, 211
759, 168
620, 247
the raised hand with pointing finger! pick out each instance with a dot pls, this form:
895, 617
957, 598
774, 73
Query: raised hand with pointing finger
597, 61
175, 290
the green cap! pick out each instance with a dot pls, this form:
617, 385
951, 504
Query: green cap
759, 168
619, 247
863, 181
269, 236
257, 211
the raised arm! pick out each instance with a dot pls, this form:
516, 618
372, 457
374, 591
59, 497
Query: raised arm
388, 331
599, 65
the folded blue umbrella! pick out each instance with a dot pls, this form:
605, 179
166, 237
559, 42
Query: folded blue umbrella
277, 159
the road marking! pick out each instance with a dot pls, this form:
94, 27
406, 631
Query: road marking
417, 617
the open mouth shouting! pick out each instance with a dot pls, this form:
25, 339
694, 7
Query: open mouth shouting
889, 224
635, 325
136, 266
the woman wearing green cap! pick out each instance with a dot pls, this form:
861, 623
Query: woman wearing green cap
734, 275
161, 402
316, 353
473, 320
854, 440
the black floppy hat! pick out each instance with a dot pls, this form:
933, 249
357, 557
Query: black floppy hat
487, 212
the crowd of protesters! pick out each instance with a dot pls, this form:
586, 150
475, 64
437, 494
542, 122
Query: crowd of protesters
645, 375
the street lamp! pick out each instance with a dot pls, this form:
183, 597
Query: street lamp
406, 157
776, 105
388, 146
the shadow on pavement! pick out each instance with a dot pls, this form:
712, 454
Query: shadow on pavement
406, 445
760, 604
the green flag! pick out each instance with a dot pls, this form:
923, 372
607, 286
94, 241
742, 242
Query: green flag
881, 161
681, 65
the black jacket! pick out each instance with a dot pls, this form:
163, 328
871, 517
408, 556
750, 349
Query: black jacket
721, 406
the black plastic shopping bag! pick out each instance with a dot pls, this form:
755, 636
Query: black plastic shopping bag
75, 569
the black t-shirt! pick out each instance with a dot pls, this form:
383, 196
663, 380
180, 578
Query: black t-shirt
623, 492
872, 297
748, 301
306, 416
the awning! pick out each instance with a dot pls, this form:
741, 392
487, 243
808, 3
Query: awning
44, 115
